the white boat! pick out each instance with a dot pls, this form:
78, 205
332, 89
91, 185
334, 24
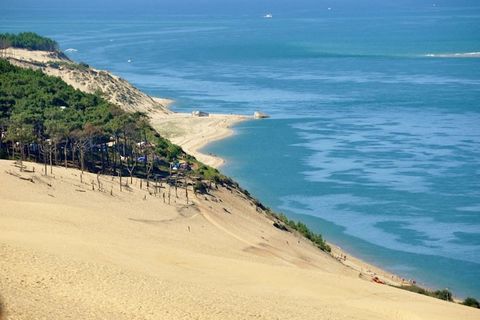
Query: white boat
268, 16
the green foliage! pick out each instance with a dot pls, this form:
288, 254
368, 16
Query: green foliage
417, 289
28, 40
35, 107
302, 228
173, 152
439, 294
83, 66
212, 174
200, 187
471, 302
443, 295
20, 132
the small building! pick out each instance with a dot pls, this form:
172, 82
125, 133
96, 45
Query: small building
260, 115
199, 113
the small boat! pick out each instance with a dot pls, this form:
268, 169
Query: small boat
260, 115
268, 16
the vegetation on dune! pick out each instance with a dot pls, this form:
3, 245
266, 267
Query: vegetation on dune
302, 228
439, 294
444, 294
471, 302
27, 40
45, 120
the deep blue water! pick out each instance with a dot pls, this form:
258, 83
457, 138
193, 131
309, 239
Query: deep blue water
372, 142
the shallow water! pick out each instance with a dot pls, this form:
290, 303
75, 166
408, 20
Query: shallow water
373, 142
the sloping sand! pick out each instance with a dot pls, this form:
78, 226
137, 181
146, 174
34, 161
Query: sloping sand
90, 80
70, 252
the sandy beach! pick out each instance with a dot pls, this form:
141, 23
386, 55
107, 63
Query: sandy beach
193, 133
72, 250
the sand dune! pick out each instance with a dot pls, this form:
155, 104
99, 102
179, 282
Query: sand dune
90, 80
70, 252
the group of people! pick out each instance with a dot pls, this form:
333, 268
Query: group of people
341, 257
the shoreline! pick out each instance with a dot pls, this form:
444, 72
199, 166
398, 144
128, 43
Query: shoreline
194, 133
129, 255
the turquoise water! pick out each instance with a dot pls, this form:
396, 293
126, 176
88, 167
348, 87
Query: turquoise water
373, 142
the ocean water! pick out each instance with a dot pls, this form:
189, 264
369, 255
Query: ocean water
373, 142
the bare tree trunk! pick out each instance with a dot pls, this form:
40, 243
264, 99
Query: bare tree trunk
74, 149
56, 153
82, 159
176, 179
186, 189
65, 154
120, 176
50, 149
45, 160
22, 152
102, 156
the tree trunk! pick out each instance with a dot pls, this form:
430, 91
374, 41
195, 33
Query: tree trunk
82, 159
186, 189
74, 149
120, 178
65, 154
45, 160
51, 160
22, 152
56, 153
103, 158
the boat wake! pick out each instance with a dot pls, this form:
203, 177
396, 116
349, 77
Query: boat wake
454, 55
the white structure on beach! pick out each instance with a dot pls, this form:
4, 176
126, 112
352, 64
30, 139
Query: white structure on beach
198, 113
260, 115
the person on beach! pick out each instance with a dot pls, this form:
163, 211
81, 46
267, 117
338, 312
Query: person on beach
2, 310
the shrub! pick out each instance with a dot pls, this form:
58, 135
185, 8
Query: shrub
302, 228
443, 295
417, 289
200, 187
83, 66
439, 294
471, 302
